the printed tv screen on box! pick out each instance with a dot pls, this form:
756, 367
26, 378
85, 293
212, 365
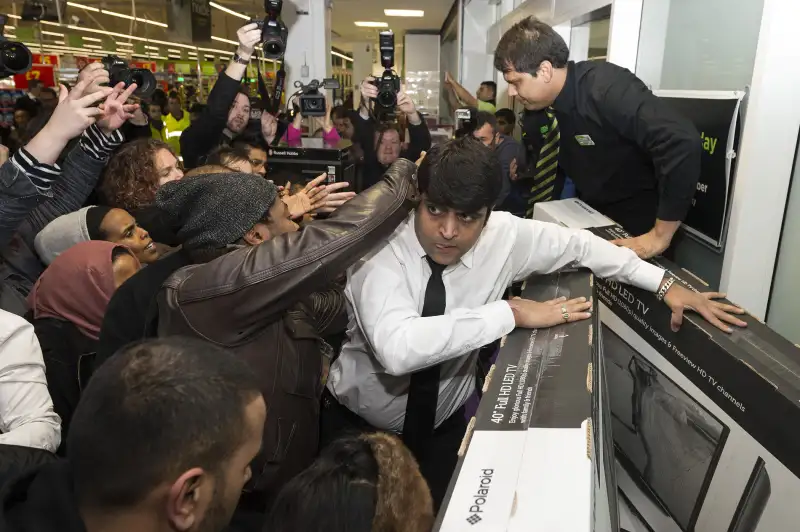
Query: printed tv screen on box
540, 456
704, 422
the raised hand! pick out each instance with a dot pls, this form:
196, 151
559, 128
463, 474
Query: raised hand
75, 110
116, 109
97, 75
249, 36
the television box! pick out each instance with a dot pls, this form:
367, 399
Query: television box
705, 424
540, 455
308, 160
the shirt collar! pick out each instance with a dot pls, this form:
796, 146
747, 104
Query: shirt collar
565, 100
410, 237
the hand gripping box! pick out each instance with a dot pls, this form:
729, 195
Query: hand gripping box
540, 455
706, 425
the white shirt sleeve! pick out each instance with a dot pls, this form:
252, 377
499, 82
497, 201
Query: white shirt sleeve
402, 340
543, 247
27, 417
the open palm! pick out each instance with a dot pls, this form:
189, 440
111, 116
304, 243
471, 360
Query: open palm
116, 110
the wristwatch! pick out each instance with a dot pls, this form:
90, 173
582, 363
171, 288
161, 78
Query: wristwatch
239, 59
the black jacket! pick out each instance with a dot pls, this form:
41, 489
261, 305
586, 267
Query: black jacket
132, 313
42, 500
68, 359
16, 460
630, 155
207, 132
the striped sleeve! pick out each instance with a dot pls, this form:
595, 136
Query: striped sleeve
99, 145
41, 175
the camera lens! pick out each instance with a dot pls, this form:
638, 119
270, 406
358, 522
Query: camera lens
273, 49
15, 57
144, 79
387, 99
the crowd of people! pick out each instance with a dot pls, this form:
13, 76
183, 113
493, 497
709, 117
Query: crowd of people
188, 342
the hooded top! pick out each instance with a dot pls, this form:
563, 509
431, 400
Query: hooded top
77, 287
68, 230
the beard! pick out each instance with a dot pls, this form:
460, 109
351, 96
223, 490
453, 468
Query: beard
219, 512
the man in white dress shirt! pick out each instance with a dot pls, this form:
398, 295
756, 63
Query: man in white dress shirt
456, 249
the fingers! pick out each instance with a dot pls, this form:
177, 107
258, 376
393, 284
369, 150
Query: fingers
315, 182
554, 301
317, 194
579, 316
728, 318
128, 92
337, 186
712, 318
248, 27
340, 198
62, 93
95, 97
578, 307
92, 111
421, 158
676, 320
724, 307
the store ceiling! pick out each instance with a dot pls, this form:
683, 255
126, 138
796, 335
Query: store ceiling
345, 13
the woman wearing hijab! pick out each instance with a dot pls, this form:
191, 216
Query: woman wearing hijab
67, 304
95, 223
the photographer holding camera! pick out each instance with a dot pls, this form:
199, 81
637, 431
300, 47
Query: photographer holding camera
382, 142
227, 111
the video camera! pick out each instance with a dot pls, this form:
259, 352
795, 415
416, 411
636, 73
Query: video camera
312, 101
389, 83
15, 58
273, 31
119, 71
466, 121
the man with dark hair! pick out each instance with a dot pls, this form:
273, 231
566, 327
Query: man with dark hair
162, 439
509, 152
630, 156
269, 293
48, 98
506, 121
485, 99
227, 113
424, 303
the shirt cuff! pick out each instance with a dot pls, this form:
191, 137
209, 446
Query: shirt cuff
499, 316
40, 175
99, 145
648, 277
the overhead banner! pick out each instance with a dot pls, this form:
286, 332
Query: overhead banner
715, 115
198, 12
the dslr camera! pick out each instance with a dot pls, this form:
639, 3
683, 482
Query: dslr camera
273, 31
312, 101
389, 83
119, 71
15, 58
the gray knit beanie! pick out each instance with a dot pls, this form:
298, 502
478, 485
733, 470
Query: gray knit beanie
214, 210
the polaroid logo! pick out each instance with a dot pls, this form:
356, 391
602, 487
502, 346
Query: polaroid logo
480, 496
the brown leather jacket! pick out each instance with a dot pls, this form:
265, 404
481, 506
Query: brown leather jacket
272, 303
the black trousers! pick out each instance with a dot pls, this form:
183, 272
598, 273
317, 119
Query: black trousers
441, 456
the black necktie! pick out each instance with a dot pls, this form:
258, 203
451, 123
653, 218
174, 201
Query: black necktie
423, 394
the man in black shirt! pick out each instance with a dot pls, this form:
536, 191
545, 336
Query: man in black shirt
630, 156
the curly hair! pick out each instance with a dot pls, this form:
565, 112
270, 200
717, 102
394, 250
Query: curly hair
130, 179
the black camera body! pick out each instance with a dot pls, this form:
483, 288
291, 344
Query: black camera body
389, 83
312, 101
274, 32
119, 71
15, 57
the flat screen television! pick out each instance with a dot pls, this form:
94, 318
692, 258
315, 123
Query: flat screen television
666, 441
